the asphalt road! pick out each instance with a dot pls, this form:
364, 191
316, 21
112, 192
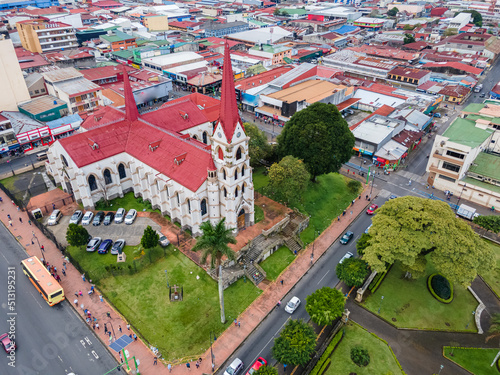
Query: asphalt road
50, 340
322, 273
16, 162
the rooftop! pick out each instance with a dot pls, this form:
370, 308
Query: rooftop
77, 86
409, 72
116, 36
41, 104
311, 91
465, 132
58, 75
487, 165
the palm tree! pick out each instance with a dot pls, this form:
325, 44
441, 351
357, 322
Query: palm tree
214, 242
494, 330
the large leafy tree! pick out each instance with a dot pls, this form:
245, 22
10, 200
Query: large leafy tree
362, 243
325, 305
409, 38
319, 136
77, 235
477, 19
288, 179
412, 230
149, 238
214, 243
491, 223
353, 271
258, 147
494, 331
266, 370
295, 344
393, 12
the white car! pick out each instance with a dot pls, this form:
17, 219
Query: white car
76, 217
54, 217
131, 215
87, 218
162, 239
120, 216
235, 367
292, 305
346, 256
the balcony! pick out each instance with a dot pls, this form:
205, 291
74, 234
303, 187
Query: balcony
444, 172
448, 159
53, 41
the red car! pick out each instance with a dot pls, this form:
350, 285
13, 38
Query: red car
371, 209
7, 343
258, 364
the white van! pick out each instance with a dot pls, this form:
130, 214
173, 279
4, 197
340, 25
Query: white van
41, 156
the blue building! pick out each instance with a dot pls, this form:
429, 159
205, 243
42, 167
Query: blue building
221, 29
26, 3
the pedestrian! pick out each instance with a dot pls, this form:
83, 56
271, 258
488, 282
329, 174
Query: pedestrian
80, 293
281, 281
155, 361
409, 183
135, 337
97, 326
63, 272
64, 265
239, 323
109, 334
366, 197
343, 213
188, 366
43, 248
351, 212
105, 328
359, 197
100, 297
197, 364
278, 304
284, 367
120, 328
58, 278
93, 326
338, 218
10, 222
213, 367
75, 302
29, 221
235, 321
17, 208
130, 336
55, 269
83, 277
169, 366
53, 206
21, 220
128, 327
108, 314
295, 252
8, 216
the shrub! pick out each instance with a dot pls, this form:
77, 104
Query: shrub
440, 288
360, 356
354, 186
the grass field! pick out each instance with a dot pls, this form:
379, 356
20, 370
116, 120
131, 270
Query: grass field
179, 329
323, 200
128, 201
259, 214
409, 304
492, 277
477, 361
277, 262
381, 359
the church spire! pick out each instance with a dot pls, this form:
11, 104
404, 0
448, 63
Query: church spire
228, 115
130, 106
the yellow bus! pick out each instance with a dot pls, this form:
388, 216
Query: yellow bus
43, 281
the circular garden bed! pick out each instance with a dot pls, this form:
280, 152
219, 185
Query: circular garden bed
440, 288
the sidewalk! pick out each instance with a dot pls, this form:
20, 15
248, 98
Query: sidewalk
228, 342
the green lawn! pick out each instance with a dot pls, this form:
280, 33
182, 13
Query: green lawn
277, 262
9, 183
477, 361
178, 329
323, 200
259, 214
381, 359
492, 276
409, 304
128, 201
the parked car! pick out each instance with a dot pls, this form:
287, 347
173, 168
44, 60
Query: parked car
438, 115
7, 344
104, 246
98, 218
163, 240
346, 237
120, 216
234, 368
392, 196
94, 243
349, 111
76, 217
367, 229
108, 219
54, 217
346, 256
87, 218
118, 247
292, 305
482, 95
131, 215
257, 365
371, 209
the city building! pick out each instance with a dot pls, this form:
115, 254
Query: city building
368, 23
117, 40
41, 35
276, 53
409, 76
222, 29
11, 78
459, 21
44, 108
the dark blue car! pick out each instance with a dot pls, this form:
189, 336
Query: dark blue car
105, 246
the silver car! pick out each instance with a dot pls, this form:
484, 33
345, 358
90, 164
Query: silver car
120, 216
162, 239
54, 217
87, 218
131, 215
118, 247
292, 305
76, 217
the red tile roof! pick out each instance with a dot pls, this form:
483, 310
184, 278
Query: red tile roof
211, 106
385, 110
177, 116
263, 78
409, 72
456, 65
229, 115
95, 74
347, 103
130, 105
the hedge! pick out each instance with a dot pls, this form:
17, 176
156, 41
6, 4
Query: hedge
325, 357
377, 280
429, 286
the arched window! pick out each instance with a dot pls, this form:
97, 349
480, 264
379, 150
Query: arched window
236, 174
224, 174
166, 189
157, 186
221, 154
189, 205
203, 207
178, 200
225, 193
92, 183
195, 137
205, 138
243, 189
121, 171
238, 153
236, 191
107, 177
65, 162
242, 171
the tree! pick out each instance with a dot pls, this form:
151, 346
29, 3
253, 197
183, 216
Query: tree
408, 27
363, 243
409, 38
214, 243
393, 12
77, 235
491, 223
325, 305
450, 32
477, 19
296, 343
266, 370
320, 137
258, 147
413, 230
277, 12
149, 238
374, 13
288, 179
353, 271
494, 330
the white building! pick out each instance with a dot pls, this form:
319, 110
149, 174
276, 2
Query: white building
11, 78
459, 21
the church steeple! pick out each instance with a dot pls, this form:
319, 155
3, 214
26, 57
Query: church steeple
130, 106
228, 116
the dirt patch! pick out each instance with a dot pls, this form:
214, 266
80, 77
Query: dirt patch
60, 199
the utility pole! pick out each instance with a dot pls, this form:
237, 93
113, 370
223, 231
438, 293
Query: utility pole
221, 297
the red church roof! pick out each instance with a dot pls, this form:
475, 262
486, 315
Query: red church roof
229, 115
130, 105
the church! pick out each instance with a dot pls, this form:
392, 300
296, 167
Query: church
174, 157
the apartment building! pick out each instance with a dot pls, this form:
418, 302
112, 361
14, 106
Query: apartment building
41, 35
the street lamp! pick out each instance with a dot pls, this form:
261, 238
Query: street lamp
33, 242
111, 324
473, 313
380, 306
166, 274
458, 201
212, 357
440, 368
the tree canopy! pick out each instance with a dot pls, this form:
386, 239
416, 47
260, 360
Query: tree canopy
362, 243
295, 344
266, 370
450, 32
412, 230
288, 179
214, 243
409, 38
477, 19
77, 235
258, 147
319, 136
393, 12
149, 238
325, 305
353, 271
491, 223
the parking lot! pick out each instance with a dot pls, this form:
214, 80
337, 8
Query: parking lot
132, 234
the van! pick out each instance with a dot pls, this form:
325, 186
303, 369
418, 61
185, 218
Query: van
41, 156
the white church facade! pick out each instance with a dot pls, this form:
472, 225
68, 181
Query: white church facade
171, 157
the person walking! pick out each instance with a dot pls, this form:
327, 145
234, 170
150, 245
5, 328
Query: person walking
197, 364
128, 327
105, 328
10, 222
100, 297
97, 326
21, 220
8, 216
42, 247
29, 221
281, 281
83, 277
63, 272
239, 323
155, 361
188, 366
169, 366
120, 328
